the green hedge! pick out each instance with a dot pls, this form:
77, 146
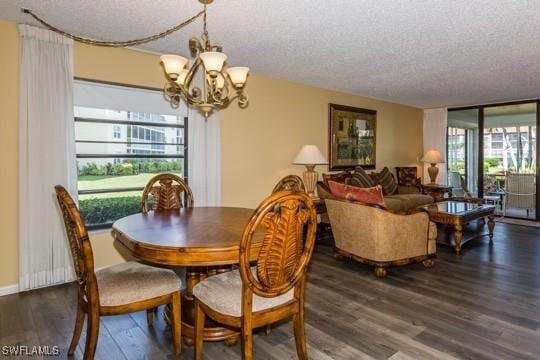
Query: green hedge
105, 210
130, 167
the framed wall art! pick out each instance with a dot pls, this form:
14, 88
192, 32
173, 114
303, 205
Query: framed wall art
351, 136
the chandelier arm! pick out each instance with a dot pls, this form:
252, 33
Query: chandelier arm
133, 42
192, 71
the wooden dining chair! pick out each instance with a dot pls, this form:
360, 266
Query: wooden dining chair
167, 193
290, 183
118, 289
272, 290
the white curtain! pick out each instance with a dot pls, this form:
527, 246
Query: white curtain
204, 158
204, 154
46, 155
435, 123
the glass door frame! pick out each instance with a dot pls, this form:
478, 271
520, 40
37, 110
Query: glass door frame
480, 178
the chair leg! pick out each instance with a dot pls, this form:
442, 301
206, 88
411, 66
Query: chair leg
199, 328
380, 272
300, 334
267, 330
150, 317
79, 322
92, 334
176, 323
247, 343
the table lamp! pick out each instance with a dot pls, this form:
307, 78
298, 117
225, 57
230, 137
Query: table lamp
310, 155
433, 157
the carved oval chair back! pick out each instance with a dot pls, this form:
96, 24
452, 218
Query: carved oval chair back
167, 193
289, 221
282, 229
290, 183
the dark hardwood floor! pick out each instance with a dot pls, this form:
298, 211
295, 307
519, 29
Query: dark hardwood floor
483, 304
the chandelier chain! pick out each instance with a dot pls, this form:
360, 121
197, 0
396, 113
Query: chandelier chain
205, 30
133, 42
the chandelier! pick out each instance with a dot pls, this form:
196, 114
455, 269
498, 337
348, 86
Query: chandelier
220, 86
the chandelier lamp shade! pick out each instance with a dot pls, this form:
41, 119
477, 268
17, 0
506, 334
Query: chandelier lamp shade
433, 157
221, 84
310, 155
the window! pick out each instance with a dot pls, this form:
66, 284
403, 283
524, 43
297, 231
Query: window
124, 136
116, 132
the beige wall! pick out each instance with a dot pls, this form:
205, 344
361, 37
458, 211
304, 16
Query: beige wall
9, 89
258, 143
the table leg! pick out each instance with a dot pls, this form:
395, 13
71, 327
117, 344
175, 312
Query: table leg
212, 331
458, 236
491, 226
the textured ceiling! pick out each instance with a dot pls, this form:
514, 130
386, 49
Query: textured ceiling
421, 53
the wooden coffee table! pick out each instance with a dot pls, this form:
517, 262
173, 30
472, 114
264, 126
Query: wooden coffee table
458, 213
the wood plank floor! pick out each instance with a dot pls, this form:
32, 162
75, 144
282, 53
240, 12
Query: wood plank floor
483, 304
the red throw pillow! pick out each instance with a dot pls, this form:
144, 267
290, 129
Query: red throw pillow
372, 195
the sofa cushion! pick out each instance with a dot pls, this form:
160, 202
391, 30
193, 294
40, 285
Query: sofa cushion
387, 181
361, 179
372, 195
406, 201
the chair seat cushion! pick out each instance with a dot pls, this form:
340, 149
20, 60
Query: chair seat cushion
223, 293
131, 282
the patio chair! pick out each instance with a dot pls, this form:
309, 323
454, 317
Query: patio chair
457, 182
520, 192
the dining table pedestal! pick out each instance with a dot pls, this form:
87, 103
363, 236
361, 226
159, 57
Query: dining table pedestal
212, 330
204, 240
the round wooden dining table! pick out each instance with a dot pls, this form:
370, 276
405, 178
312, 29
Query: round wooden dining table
204, 240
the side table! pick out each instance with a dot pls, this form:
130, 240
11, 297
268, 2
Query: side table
323, 227
437, 191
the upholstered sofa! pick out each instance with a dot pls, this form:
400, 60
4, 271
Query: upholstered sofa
408, 197
380, 237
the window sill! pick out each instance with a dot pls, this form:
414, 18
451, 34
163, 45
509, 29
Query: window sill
100, 231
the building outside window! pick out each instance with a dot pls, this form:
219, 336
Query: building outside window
117, 134
119, 147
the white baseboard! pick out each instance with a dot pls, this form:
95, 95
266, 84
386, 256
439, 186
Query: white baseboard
10, 289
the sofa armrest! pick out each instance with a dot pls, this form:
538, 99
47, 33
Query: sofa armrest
377, 234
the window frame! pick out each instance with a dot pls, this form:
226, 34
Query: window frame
142, 123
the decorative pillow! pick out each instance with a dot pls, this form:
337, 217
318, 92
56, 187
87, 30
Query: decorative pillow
406, 175
372, 195
387, 181
361, 179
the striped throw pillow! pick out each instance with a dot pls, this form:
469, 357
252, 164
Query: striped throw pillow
387, 181
361, 179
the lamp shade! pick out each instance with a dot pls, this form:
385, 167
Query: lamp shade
213, 60
238, 75
433, 157
310, 155
174, 64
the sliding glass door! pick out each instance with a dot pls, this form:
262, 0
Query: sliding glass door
510, 161
503, 139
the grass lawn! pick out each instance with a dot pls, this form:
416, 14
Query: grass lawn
90, 182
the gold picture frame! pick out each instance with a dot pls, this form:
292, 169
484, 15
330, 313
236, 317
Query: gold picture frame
351, 137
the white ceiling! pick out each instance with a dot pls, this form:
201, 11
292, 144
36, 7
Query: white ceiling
417, 52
